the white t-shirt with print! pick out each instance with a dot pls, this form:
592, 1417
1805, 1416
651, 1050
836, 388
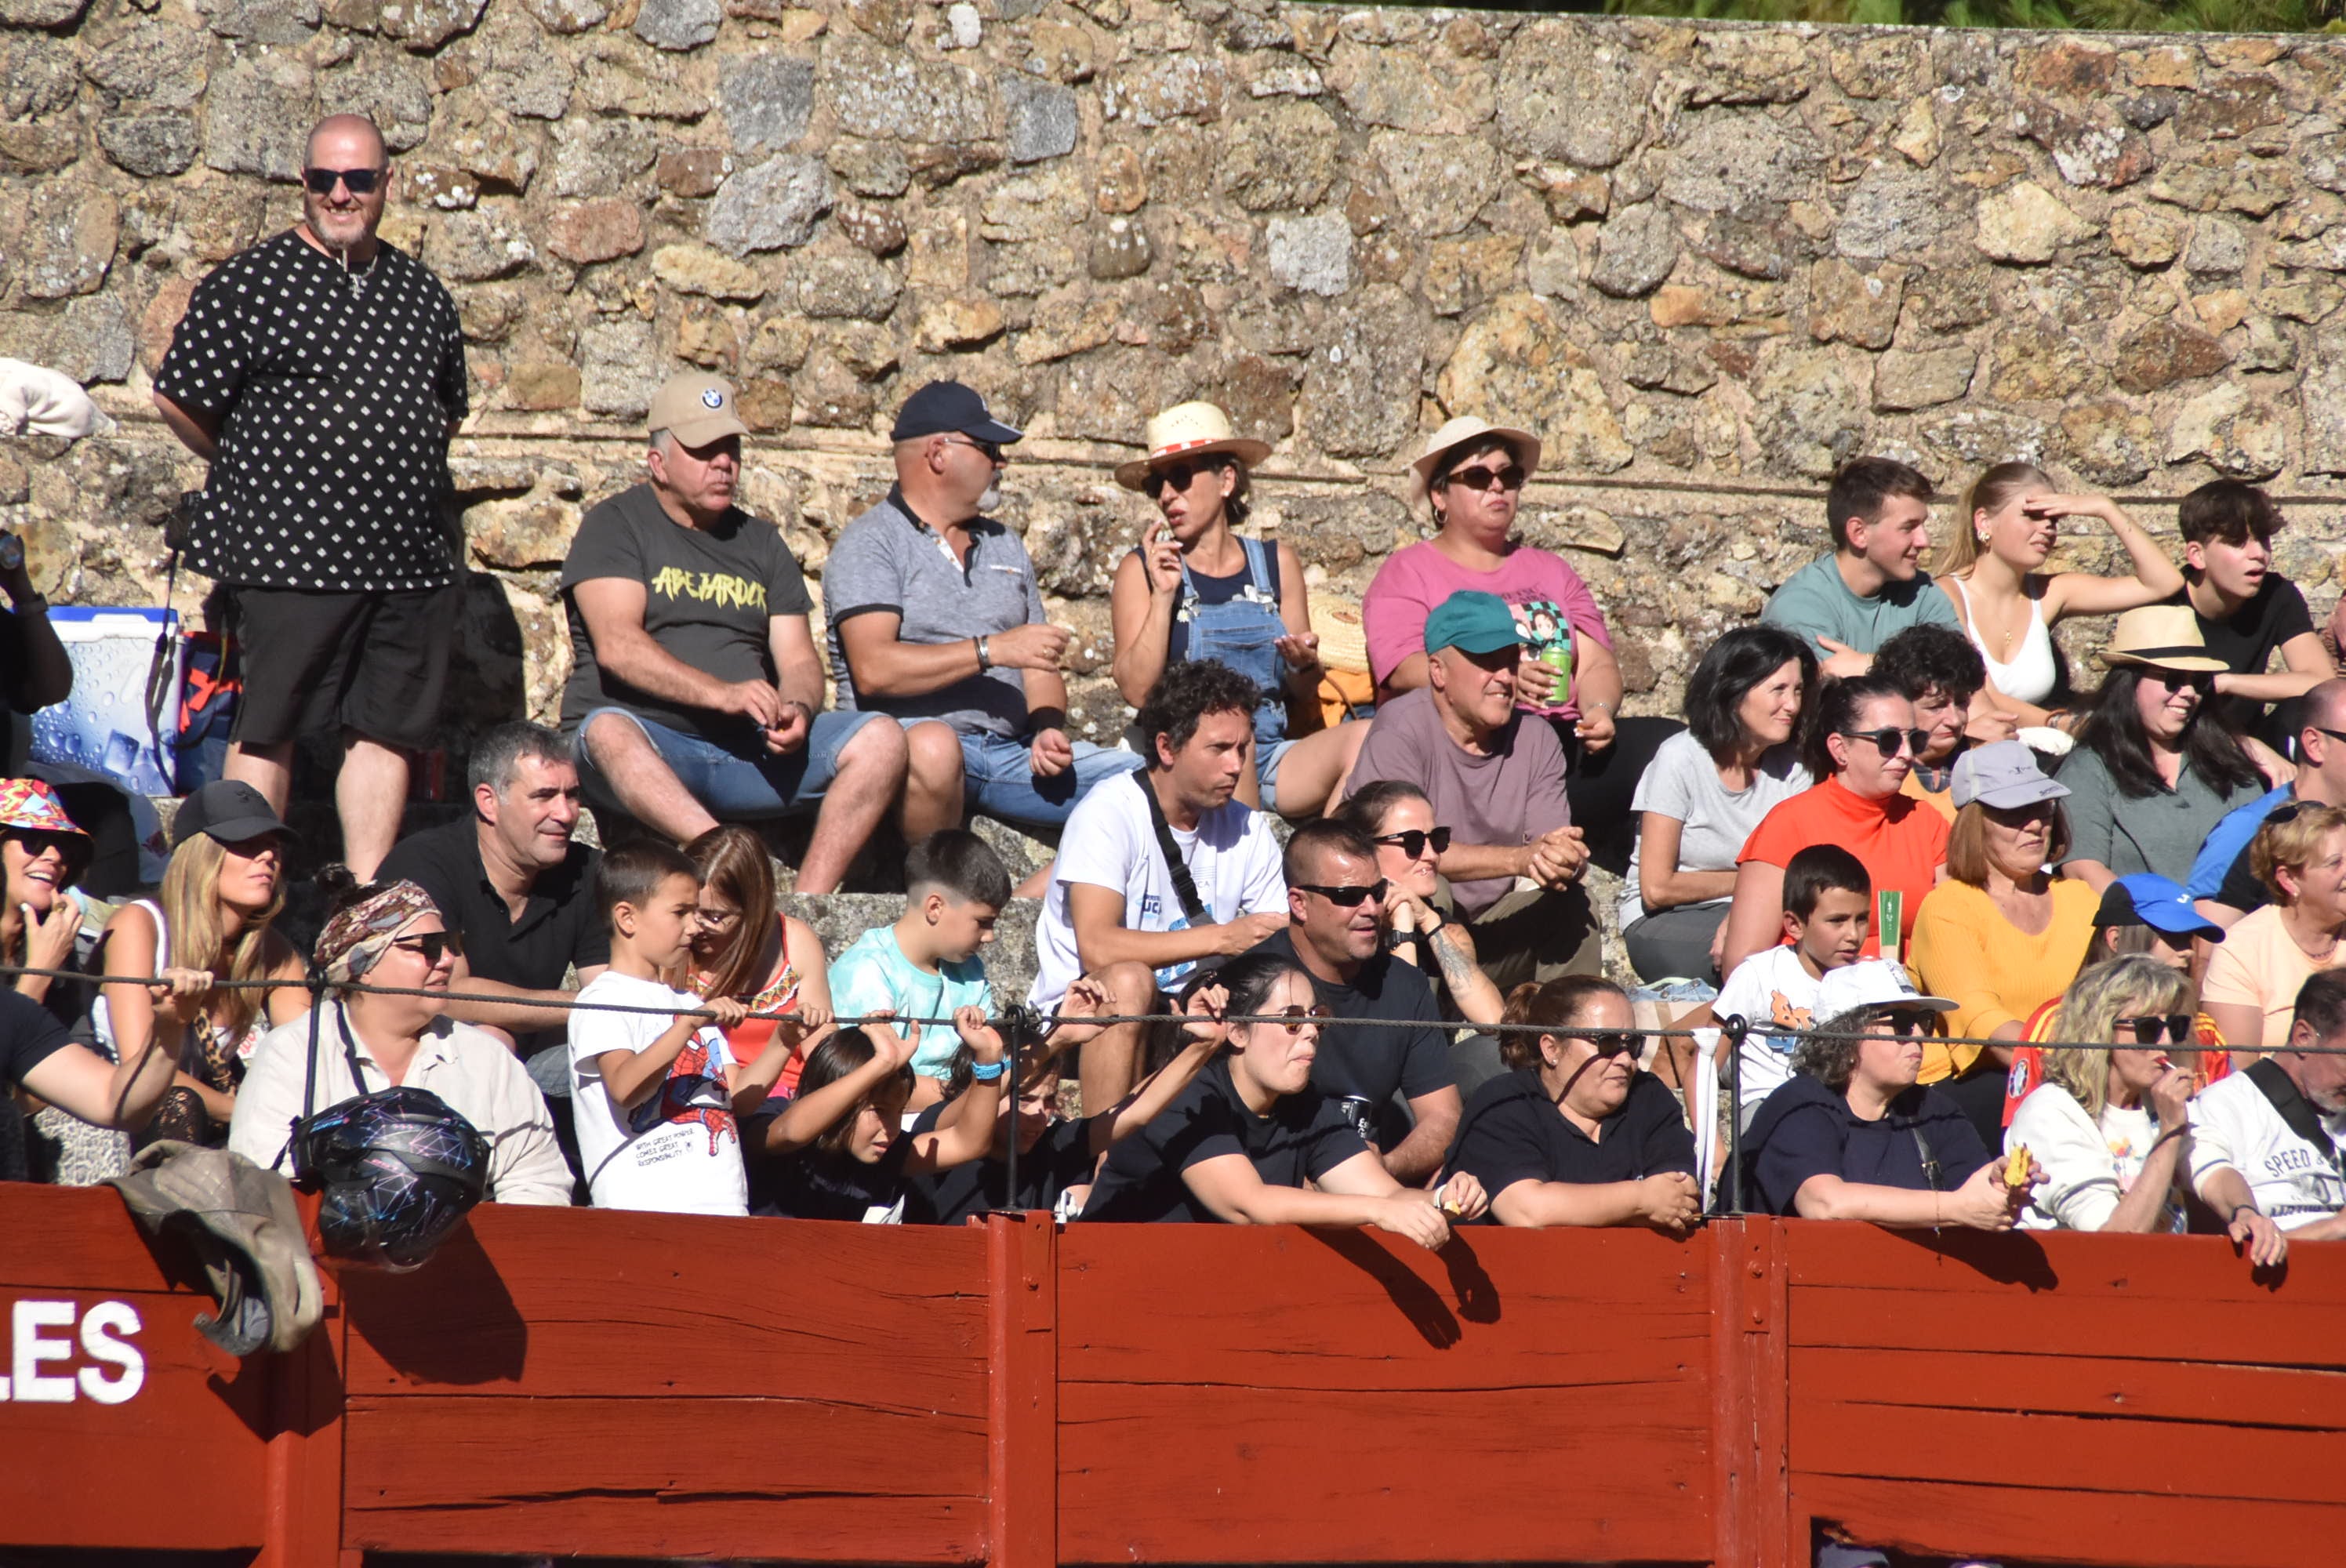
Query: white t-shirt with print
1774, 993
678, 1151
2232, 1124
1110, 842
2089, 1165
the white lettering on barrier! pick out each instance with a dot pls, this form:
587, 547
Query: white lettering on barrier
41, 1334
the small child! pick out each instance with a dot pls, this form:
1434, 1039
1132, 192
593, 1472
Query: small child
657, 1099
839, 1150
1828, 913
926, 964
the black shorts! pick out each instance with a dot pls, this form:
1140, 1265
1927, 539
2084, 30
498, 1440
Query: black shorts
316, 664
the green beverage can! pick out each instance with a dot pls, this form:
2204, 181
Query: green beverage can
1557, 657
1889, 913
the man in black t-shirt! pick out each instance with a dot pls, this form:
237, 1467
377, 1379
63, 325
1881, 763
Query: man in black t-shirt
322, 374
696, 693
2247, 611
1335, 909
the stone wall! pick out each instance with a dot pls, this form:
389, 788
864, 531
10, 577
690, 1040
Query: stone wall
1705, 260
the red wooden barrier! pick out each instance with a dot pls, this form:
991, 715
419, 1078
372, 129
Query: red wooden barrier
645, 1385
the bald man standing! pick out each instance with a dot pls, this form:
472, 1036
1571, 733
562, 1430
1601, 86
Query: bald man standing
321, 373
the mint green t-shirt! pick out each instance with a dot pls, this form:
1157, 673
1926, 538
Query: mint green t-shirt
874, 973
1815, 603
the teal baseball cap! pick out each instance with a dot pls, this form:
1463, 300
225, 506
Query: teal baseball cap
1473, 621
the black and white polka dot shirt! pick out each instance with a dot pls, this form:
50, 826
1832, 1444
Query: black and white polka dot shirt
335, 392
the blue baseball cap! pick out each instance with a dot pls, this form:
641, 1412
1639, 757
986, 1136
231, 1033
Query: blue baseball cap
1473, 622
2157, 901
949, 407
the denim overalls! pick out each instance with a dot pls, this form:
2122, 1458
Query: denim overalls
1243, 632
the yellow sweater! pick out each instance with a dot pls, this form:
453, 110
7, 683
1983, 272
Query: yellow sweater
1964, 950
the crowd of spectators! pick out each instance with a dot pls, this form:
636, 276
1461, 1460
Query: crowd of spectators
2004, 960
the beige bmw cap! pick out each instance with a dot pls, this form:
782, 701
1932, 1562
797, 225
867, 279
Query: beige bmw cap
696, 407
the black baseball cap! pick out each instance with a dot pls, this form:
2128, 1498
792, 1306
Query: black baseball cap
226, 811
944, 408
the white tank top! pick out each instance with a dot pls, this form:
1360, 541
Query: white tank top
102, 1021
2033, 673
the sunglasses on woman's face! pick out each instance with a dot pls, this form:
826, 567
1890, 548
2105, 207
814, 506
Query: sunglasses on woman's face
1890, 739
2021, 815
431, 944
1412, 841
1904, 1021
1178, 475
2151, 1029
1613, 1043
1481, 476
1295, 1020
2198, 680
39, 842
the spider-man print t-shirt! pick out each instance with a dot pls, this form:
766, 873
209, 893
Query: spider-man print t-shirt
335, 390
677, 1149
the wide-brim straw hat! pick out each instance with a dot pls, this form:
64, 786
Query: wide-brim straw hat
2160, 636
1189, 429
1466, 427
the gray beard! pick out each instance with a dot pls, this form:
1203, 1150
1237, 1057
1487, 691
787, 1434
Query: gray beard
991, 499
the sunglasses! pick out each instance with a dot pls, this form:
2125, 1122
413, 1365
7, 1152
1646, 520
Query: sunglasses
1905, 1021
38, 841
1890, 739
1346, 898
991, 449
2151, 1029
1296, 1020
2198, 680
1613, 1042
1176, 475
1481, 476
2019, 816
359, 181
431, 944
1412, 841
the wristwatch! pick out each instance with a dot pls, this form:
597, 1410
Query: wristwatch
985, 663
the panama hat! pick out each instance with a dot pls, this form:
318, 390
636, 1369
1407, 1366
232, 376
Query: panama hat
1189, 429
2161, 636
1466, 427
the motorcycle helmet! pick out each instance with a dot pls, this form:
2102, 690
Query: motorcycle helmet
396, 1171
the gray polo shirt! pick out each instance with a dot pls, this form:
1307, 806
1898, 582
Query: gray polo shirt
889, 560
2158, 832
1816, 603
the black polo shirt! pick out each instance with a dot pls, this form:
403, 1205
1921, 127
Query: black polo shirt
1061, 1158
1511, 1132
1375, 1062
1305, 1137
558, 926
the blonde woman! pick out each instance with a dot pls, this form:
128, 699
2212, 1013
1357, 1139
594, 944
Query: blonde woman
209, 921
1991, 569
2111, 1123
1196, 589
2253, 976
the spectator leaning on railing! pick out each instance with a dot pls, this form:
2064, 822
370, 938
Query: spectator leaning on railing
2269, 1143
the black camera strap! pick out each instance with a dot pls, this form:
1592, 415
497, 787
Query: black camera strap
1185, 886
1932, 1171
2299, 1116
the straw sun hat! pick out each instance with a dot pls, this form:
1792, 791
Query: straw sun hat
2162, 636
1466, 427
1189, 429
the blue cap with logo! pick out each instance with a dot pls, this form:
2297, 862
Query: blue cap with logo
2159, 903
949, 407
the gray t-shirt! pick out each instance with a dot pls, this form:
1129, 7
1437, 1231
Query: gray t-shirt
1510, 798
2160, 832
1816, 603
1682, 781
888, 560
708, 596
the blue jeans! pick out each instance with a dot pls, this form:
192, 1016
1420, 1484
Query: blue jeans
731, 786
1002, 782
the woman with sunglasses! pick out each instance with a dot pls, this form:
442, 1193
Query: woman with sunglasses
1471, 477
213, 918
391, 934
1576, 1134
1198, 589
1251, 1141
2153, 772
1851, 1136
2254, 974
1992, 567
1708, 788
2000, 936
1860, 743
2110, 1124
1399, 819
744, 947
43, 853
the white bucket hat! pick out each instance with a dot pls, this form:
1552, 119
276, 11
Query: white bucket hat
1466, 427
1189, 429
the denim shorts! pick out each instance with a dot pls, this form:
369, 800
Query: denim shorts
1001, 780
730, 786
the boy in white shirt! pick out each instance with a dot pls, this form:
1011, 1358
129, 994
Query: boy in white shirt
658, 1098
1827, 911
1122, 912
2269, 1142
